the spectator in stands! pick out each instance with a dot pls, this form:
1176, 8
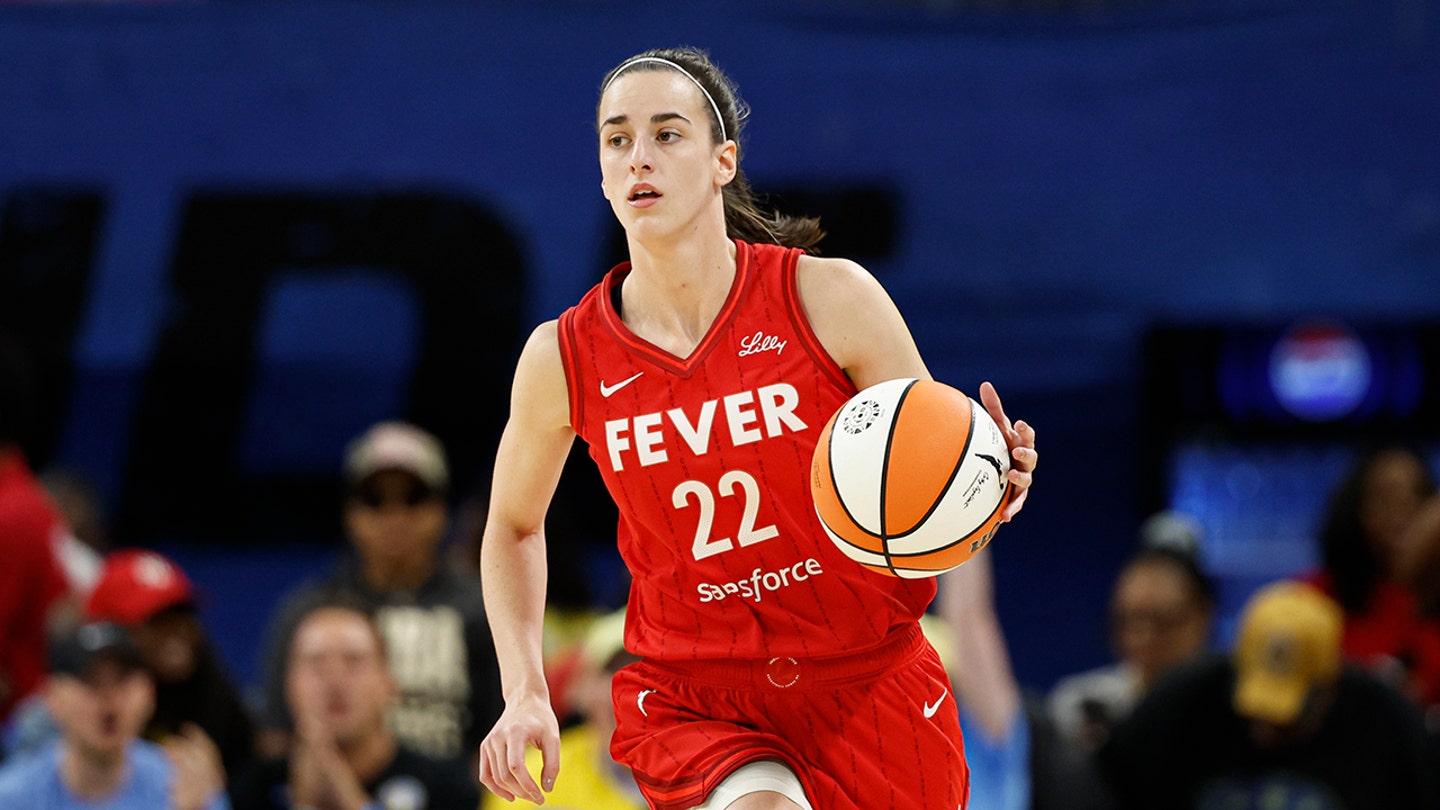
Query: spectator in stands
1418, 556
431, 614
33, 584
344, 755
100, 695
152, 597
1418, 566
590, 778
1279, 723
1360, 541
1161, 613
75, 496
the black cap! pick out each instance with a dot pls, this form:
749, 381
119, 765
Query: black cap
77, 651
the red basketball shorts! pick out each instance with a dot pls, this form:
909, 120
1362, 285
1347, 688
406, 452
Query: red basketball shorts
863, 732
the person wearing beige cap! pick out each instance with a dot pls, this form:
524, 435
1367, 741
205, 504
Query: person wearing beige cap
395, 515
1281, 722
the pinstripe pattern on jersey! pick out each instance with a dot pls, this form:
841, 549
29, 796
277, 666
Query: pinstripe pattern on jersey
688, 438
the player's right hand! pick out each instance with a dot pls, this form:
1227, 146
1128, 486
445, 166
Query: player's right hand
526, 722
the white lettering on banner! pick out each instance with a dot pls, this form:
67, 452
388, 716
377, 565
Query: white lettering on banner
429, 660
760, 342
760, 581
750, 416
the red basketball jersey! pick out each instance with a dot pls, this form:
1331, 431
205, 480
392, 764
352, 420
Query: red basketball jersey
708, 459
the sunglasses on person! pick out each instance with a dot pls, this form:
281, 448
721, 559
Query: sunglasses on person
410, 497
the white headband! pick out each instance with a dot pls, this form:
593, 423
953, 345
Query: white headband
657, 60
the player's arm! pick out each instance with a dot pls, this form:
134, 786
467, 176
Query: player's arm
532, 453
856, 322
861, 328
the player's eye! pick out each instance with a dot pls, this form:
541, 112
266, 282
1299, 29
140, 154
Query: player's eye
668, 136
617, 140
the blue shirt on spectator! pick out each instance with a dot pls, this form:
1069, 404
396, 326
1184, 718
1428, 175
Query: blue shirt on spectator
33, 782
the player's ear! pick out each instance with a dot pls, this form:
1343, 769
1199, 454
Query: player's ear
727, 162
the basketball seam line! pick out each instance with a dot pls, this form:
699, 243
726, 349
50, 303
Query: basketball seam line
885, 475
939, 499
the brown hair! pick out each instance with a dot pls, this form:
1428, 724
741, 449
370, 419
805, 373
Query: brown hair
345, 602
745, 217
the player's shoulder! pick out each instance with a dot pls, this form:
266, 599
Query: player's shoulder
542, 348
831, 290
830, 267
833, 279
540, 395
545, 335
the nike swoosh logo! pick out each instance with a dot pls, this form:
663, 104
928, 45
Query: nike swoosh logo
607, 390
640, 701
930, 710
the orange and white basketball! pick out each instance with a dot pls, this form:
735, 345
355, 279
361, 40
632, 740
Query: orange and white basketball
909, 477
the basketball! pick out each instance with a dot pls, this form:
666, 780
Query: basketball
909, 477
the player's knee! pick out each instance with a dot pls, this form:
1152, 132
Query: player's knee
764, 800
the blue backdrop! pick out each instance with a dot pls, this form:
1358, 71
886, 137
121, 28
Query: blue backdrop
1051, 185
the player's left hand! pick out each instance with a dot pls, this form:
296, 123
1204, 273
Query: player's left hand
1020, 436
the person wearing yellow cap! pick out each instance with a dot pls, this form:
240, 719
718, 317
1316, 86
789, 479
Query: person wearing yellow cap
1280, 722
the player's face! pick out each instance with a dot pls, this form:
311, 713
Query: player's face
659, 165
105, 710
338, 680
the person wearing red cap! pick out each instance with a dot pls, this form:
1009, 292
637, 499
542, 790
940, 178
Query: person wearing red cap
152, 597
99, 694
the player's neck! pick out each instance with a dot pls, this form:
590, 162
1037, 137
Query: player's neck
675, 291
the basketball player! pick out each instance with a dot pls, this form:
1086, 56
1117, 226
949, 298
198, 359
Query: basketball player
776, 672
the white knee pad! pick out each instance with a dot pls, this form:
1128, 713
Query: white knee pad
755, 777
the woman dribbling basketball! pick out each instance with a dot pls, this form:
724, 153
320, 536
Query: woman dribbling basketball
776, 672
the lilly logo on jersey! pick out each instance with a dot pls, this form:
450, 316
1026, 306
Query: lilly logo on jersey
760, 342
749, 416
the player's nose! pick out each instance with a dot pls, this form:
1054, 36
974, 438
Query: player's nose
640, 156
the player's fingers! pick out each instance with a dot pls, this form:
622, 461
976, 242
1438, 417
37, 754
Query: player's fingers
519, 780
1017, 502
500, 775
991, 400
550, 753
489, 775
1026, 433
1023, 459
1021, 479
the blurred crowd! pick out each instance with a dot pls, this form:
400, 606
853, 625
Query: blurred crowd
380, 675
